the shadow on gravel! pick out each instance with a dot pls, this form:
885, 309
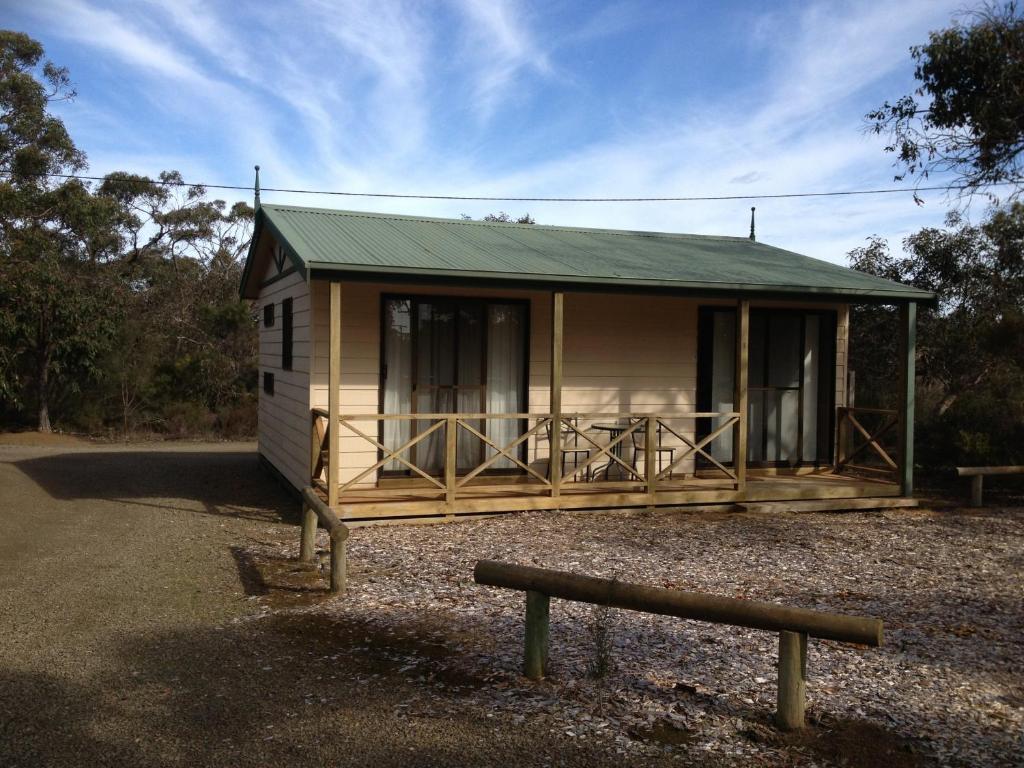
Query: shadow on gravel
224, 483
288, 690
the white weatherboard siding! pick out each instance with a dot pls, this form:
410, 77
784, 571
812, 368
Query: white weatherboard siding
284, 419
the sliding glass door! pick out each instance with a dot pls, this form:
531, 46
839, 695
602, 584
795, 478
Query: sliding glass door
790, 380
452, 355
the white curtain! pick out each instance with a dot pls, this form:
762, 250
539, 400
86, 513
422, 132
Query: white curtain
397, 374
723, 364
505, 368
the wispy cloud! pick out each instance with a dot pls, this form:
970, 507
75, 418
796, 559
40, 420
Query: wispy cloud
499, 47
466, 97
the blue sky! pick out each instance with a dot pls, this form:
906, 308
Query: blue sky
500, 97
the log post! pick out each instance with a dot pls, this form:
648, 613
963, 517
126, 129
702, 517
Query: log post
307, 541
908, 355
651, 455
339, 574
334, 399
792, 680
555, 461
976, 490
536, 643
739, 441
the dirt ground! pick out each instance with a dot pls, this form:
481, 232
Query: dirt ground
128, 633
152, 613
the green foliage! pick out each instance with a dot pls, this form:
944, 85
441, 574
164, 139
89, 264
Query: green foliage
118, 305
967, 114
504, 218
970, 347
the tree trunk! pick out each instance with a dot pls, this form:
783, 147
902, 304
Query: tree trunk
43, 376
44, 394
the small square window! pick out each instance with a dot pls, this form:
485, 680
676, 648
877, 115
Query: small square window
268, 315
268, 382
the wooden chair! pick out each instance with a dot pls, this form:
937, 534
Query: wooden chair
571, 447
640, 446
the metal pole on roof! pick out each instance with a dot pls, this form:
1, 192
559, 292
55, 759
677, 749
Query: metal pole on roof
752, 209
256, 201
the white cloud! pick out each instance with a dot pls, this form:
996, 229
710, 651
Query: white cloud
361, 95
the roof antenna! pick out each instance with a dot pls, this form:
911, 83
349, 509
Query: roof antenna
752, 209
256, 202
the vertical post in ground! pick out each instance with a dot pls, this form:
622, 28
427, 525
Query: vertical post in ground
339, 576
451, 458
739, 440
792, 680
555, 461
651, 455
908, 355
976, 488
334, 399
307, 541
537, 620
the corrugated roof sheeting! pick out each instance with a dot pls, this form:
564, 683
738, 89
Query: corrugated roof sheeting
329, 239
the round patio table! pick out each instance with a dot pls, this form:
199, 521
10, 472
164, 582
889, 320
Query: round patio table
614, 430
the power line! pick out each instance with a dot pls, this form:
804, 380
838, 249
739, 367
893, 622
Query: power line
496, 198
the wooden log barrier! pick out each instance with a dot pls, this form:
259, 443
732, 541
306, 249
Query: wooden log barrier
978, 474
314, 510
794, 625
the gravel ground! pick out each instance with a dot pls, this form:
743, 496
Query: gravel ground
139, 626
945, 688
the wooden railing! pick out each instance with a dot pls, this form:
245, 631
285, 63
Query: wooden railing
575, 432
866, 440
794, 625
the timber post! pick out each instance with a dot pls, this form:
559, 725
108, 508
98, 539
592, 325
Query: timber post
555, 450
651, 455
538, 612
307, 540
739, 443
977, 490
792, 695
451, 457
315, 510
339, 562
334, 399
908, 354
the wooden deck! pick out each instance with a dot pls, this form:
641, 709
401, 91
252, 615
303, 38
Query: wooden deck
395, 503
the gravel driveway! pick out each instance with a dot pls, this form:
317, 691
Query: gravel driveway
137, 628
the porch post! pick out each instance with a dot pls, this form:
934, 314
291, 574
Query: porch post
555, 462
739, 443
908, 354
334, 399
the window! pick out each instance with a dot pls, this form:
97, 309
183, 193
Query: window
453, 355
790, 383
286, 334
268, 382
268, 315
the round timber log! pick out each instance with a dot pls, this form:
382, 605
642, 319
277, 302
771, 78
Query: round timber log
685, 605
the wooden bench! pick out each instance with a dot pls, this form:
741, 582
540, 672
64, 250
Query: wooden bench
977, 475
793, 624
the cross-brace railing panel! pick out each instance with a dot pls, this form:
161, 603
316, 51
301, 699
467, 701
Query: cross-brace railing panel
645, 432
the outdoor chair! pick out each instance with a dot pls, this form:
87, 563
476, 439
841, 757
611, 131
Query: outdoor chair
640, 446
571, 448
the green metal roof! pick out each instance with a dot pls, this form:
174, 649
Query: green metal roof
366, 244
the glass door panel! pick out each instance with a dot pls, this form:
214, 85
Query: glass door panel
789, 378
452, 355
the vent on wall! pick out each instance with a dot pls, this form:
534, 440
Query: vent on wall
268, 315
268, 382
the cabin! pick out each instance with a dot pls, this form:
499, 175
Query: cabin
415, 367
